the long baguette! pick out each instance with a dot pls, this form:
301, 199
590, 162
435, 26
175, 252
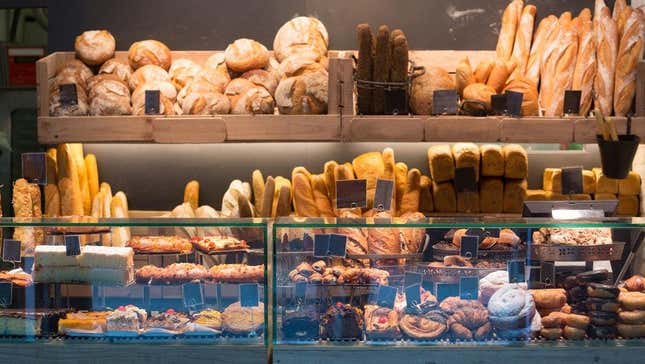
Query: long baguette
381, 72
630, 52
523, 37
365, 66
585, 69
606, 35
619, 6
510, 21
546, 27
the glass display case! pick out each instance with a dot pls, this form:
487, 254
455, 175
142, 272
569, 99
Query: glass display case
454, 282
134, 281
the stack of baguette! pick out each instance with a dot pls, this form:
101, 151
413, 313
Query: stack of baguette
596, 186
26, 205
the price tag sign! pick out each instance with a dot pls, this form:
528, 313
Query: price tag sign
516, 270
249, 295
547, 273
514, 103
493, 232
413, 295
386, 296
193, 294
338, 245
411, 278
68, 96
498, 104
152, 102
308, 242
465, 179
34, 168
6, 294
469, 246
476, 232
72, 245
572, 102
396, 101
321, 245
351, 193
11, 250
28, 264
534, 274
383, 194
468, 288
445, 102
571, 180
445, 290
301, 290
428, 286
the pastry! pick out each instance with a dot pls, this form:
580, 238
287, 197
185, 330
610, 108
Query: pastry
554, 320
430, 325
149, 52
602, 290
246, 54
172, 274
601, 318
577, 321
573, 333
450, 305
491, 283
511, 307
635, 283
549, 298
17, 277
85, 322
301, 324
632, 317
631, 331
238, 320
218, 243
209, 318
601, 304
342, 321
126, 318
381, 323
168, 320
94, 47
160, 244
470, 324
631, 301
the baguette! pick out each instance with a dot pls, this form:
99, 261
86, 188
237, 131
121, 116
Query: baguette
619, 7
321, 196
304, 202
410, 199
52, 200
106, 192
330, 180
630, 51
267, 199
257, 182
400, 182
482, 71
606, 35
191, 194
399, 57
123, 202
92, 174
120, 235
585, 69
71, 202
500, 74
510, 22
283, 206
98, 206
365, 67
389, 173
381, 68
52, 168
523, 37
78, 157
22, 199
464, 76
543, 32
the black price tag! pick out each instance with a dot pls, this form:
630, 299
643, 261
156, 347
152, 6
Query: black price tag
321, 245
493, 232
338, 245
498, 104
6, 294
301, 290
476, 232
445, 102
571, 180
27, 264
193, 294
68, 96
152, 102
351, 193
72, 245
249, 296
516, 270
468, 288
34, 168
469, 246
514, 103
383, 194
547, 273
396, 101
411, 278
572, 101
386, 296
445, 290
308, 242
428, 286
11, 250
413, 295
534, 274
465, 179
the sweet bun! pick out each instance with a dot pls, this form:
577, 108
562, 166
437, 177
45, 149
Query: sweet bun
110, 97
94, 47
149, 52
148, 73
117, 67
298, 33
183, 71
511, 307
304, 94
247, 98
246, 54
262, 78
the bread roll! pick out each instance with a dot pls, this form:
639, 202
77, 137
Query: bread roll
183, 71
148, 73
466, 155
118, 67
606, 35
510, 22
410, 199
246, 54
304, 202
444, 197
546, 27
529, 95
167, 96
426, 205
208, 103
56, 108
110, 97
516, 161
549, 298
364, 67
464, 76
216, 72
370, 167
297, 32
149, 52
631, 185
585, 70
262, 78
514, 195
491, 195
492, 158
92, 172
480, 92
424, 86
299, 63
482, 71
94, 47
630, 52
400, 182
628, 205
523, 38
500, 74
247, 98
304, 94
441, 163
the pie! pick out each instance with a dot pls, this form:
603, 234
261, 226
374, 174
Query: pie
160, 244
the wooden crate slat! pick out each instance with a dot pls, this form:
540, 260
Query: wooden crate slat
383, 128
585, 130
189, 130
86, 129
537, 130
258, 128
462, 128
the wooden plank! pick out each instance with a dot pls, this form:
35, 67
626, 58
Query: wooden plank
383, 128
462, 128
188, 130
265, 128
537, 130
341, 86
98, 129
585, 130
42, 84
640, 89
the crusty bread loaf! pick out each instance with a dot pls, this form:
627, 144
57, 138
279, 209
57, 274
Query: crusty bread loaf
585, 70
482, 71
257, 184
146, 74
514, 195
262, 78
321, 196
606, 35
529, 95
441, 163
183, 71
216, 72
444, 197
149, 52
510, 21
464, 76
424, 86
304, 202
283, 205
95, 46
426, 205
247, 98
468, 202
546, 27
500, 74
191, 194
410, 199
630, 52
480, 92
523, 38
267, 199
516, 161
70, 196
304, 94
92, 171
56, 108
118, 67
110, 97
381, 72
52, 200
167, 96
365, 67
300, 33
619, 6
206, 103
369, 166
491, 195
467, 155
246, 54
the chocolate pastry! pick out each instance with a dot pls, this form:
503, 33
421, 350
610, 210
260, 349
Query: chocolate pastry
381, 323
602, 332
342, 321
600, 290
577, 294
632, 317
427, 326
301, 324
511, 307
631, 331
428, 303
470, 324
601, 304
600, 318
594, 276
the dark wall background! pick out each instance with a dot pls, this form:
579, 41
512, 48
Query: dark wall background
211, 25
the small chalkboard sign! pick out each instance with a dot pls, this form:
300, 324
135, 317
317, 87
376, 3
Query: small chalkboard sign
469, 288
498, 104
572, 100
572, 180
193, 294
469, 246
411, 278
514, 103
413, 295
34, 168
301, 290
445, 102
396, 101
351, 193
386, 296
27, 264
11, 250
465, 179
152, 102
428, 286
338, 245
68, 95
383, 194
516, 270
493, 232
547, 273
6, 294
445, 290
321, 245
249, 295
72, 245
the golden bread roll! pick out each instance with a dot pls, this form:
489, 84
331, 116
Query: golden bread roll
482, 71
149, 52
480, 92
246, 54
94, 47
529, 93
464, 76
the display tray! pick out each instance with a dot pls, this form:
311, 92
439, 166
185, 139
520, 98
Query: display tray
77, 230
310, 253
160, 254
453, 274
488, 254
549, 252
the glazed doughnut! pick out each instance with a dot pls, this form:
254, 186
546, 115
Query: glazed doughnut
632, 317
636, 283
573, 333
551, 333
631, 331
554, 320
600, 318
631, 301
600, 290
577, 321
600, 304
602, 332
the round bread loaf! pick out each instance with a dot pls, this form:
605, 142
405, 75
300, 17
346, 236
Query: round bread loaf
216, 72
479, 92
58, 109
75, 72
424, 86
149, 52
246, 54
184, 71
92, 81
295, 62
167, 95
300, 32
94, 47
511, 307
119, 68
275, 68
212, 103
631, 301
110, 97
199, 85
247, 98
148, 73
262, 78
304, 94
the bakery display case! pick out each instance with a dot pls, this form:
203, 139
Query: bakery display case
194, 282
425, 286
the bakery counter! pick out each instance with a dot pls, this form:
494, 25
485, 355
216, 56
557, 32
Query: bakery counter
590, 351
